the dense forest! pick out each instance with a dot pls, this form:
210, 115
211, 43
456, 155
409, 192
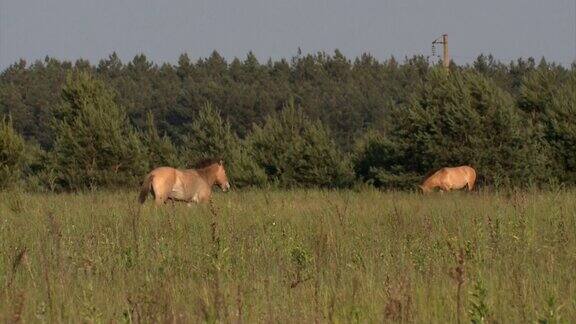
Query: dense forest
315, 120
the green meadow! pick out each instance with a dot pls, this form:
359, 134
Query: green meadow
289, 257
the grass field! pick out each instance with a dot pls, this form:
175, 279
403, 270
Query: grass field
289, 256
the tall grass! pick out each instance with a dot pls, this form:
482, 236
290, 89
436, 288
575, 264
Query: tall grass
289, 256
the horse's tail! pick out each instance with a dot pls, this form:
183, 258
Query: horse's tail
145, 189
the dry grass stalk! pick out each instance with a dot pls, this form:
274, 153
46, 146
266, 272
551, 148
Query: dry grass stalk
458, 274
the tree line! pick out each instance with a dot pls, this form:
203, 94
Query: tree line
315, 120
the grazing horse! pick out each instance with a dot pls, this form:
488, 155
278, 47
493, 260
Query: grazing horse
447, 179
190, 185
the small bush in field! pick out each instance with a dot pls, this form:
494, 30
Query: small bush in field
478, 311
551, 312
301, 260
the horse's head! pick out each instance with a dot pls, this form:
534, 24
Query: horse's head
221, 178
214, 170
423, 189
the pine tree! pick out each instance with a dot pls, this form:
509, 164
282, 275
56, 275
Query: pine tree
298, 152
561, 129
111, 67
537, 90
95, 144
209, 136
12, 154
160, 150
550, 99
385, 162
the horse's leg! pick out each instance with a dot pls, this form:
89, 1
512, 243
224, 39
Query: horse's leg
156, 192
162, 189
195, 199
204, 198
159, 200
173, 203
444, 188
203, 195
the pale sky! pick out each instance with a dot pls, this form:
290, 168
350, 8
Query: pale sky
162, 30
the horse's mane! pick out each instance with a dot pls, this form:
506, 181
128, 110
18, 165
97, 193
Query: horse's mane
206, 162
430, 173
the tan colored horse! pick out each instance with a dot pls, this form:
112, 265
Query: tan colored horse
191, 185
447, 179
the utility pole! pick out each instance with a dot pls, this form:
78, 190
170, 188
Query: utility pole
445, 55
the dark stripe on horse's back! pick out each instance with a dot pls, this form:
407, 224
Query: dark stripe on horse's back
430, 173
206, 162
